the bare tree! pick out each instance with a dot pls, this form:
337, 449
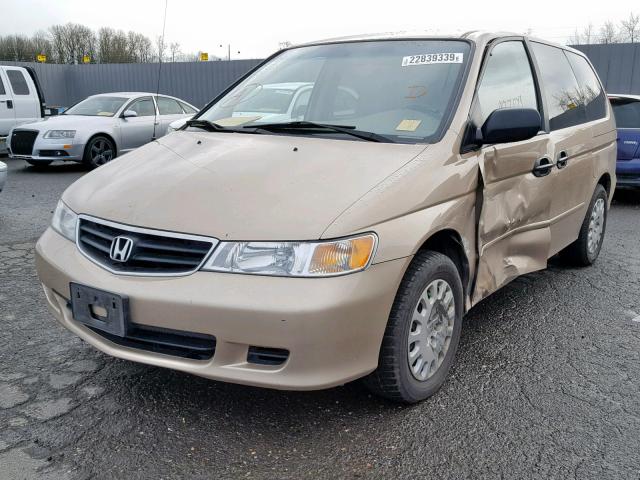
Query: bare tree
70, 43
161, 48
631, 28
587, 33
576, 38
174, 51
608, 33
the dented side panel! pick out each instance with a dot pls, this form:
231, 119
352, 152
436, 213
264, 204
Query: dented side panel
513, 229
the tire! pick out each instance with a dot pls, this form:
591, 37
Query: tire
39, 163
98, 151
395, 378
584, 252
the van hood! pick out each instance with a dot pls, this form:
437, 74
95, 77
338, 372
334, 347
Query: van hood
237, 186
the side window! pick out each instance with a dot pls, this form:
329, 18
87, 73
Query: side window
18, 82
168, 106
560, 86
144, 107
2, 90
590, 92
187, 108
627, 113
507, 81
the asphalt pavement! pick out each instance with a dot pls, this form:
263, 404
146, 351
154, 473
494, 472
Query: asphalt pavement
546, 385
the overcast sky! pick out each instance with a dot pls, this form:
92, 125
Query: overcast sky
256, 27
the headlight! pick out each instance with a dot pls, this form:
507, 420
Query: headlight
60, 134
64, 221
294, 259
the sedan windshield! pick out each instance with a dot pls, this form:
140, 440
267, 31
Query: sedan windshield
403, 90
97, 107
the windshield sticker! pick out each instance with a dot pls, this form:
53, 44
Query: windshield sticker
432, 59
408, 125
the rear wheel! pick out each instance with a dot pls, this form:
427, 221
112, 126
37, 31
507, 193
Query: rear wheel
585, 250
423, 331
99, 150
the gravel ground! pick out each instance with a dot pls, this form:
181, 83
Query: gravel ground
546, 385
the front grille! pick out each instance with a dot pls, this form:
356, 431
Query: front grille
153, 252
267, 356
22, 142
195, 346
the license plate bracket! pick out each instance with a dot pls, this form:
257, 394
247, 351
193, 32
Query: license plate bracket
99, 309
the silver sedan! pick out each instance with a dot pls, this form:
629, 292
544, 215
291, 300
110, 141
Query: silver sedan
98, 129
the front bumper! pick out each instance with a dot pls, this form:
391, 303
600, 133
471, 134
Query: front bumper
45, 150
628, 173
332, 327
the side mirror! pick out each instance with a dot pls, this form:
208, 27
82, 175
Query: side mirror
510, 125
129, 114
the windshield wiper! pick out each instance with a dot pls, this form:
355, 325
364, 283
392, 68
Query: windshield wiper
207, 125
304, 125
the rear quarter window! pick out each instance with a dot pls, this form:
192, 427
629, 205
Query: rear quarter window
187, 108
590, 92
168, 106
2, 90
18, 82
560, 87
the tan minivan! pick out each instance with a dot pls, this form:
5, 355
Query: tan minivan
335, 213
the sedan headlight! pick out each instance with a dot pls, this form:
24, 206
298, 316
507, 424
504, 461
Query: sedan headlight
64, 221
66, 134
294, 259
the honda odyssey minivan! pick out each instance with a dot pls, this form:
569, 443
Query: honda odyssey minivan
304, 240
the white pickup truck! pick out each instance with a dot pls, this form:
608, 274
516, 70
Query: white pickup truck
21, 99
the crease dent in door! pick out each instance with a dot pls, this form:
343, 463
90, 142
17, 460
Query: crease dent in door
513, 226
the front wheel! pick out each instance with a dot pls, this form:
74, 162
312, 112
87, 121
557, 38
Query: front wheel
99, 150
423, 331
585, 250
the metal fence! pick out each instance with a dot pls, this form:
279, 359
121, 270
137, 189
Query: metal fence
617, 64
195, 82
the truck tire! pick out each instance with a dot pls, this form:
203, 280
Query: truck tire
585, 250
98, 151
422, 333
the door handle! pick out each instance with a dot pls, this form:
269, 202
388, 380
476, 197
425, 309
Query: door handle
562, 160
542, 167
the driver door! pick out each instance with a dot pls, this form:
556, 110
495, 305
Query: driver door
513, 225
137, 131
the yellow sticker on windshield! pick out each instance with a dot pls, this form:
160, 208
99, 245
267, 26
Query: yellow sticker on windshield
408, 125
235, 121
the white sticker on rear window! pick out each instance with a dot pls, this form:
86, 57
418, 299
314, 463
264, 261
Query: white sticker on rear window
432, 58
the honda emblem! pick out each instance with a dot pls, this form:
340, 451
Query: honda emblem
121, 249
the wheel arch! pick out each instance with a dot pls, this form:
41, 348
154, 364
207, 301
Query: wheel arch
605, 181
449, 242
108, 136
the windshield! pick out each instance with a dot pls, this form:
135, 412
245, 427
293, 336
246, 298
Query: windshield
97, 107
403, 90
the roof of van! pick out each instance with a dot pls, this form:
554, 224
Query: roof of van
475, 35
